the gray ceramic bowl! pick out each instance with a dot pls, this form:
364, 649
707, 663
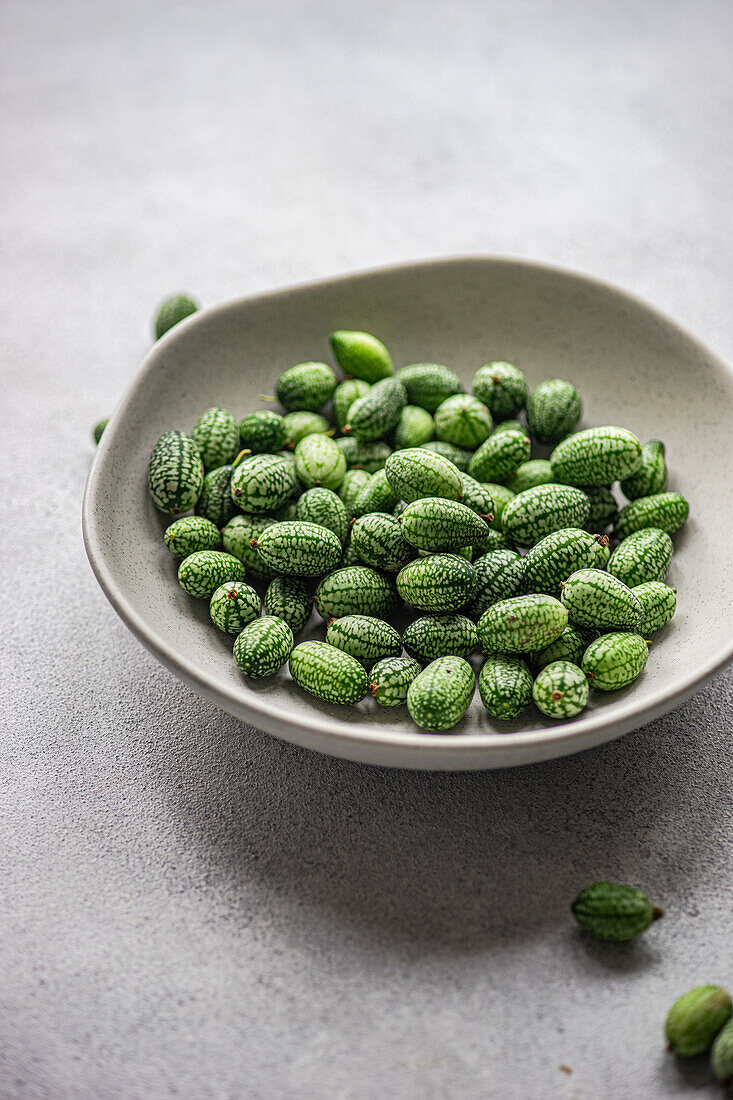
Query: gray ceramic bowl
633, 366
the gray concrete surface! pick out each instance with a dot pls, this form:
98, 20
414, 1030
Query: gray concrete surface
190, 908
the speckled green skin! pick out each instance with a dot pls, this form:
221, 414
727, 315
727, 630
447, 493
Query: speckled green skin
570, 646
721, 1056
521, 624
429, 384
98, 429
440, 582
603, 508
356, 590
289, 599
191, 533
501, 387
560, 690
215, 502
505, 686
328, 673
263, 432
667, 511
433, 636
596, 456
439, 697
216, 434
378, 540
537, 512
501, 496
658, 602
651, 477
613, 911
301, 423
416, 473
614, 660
436, 524
263, 483
376, 496
173, 310
456, 455
349, 489
361, 355
390, 679
555, 557
298, 548
464, 421
201, 573
344, 396
598, 599
364, 637
531, 474
263, 647
324, 507
477, 497
414, 427
237, 536
175, 473
377, 413
511, 426
364, 455
696, 1018
319, 462
553, 410
500, 456
498, 576
306, 386
233, 605
644, 556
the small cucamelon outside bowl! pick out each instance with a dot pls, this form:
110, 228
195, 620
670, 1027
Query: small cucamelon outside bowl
633, 366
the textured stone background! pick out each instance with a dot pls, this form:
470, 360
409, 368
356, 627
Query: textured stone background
190, 908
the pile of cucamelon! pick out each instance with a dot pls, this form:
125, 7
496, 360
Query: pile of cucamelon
379, 490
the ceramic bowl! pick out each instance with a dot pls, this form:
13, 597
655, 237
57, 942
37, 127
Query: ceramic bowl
633, 367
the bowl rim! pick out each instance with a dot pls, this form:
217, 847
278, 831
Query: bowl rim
263, 711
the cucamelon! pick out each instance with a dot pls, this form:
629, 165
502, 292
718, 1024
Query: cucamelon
667, 511
500, 456
603, 508
262, 483
644, 556
433, 636
439, 697
560, 690
555, 557
298, 548
364, 637
173, 310
721, 1055
377, 495
306, 386
215, 502
349, 489
440, 582
511, 426
362, 454
570, 646
289, 599
614, 660
361, 355
553, 410
429, 384
521, 624
537, 471
658, 602
344, 396
319, 462
505, 686
596, 456
456, 455
191, 533
201, 573
237, 538
464, 421
175, 473
478, 498
377, 413
695, 1019
378, 540
613, 911
416, 473
498, 576
325, 508
263, 647
414, 427
328, 673
301, 423
263, 432
233, 605
501, 387
651, 476
98, 429
434, 524
598, 599
390, 679
216, 434
356, 590
537, 512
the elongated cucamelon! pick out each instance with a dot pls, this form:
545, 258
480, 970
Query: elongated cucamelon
521, 624
429, 384
262, 483
433, 636
298, 548
416, 473
464, 421
376, 496
264, 432
328, 673
696, 1018
325, 508
414, 427
505, 686
614, 660
361, 355
439, 582
201, 573
501, 387
537, 512
613, 911
233, 605
305, 386
553, 410
344, 396
191, 533
319, 462
500, 456
301, 423
560, 690
666, 511
651, 476
433, 523
263, 647
596, 456
498, 576
356, 590
439, 697
531, 474
570, 646
644, 556
216, 434
237, 537
372, 416
658, 603
361, 454
555, 557
456, 455
598, 599
175, 473
173, 310
390, 679
378, 540
289, 599
364, 637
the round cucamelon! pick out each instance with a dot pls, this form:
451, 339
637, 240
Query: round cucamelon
237, 538
613, 911
603, 508
667, 511
262, 483
521, 624
511, 426
378, 540
263, 432
498, 576
328, 673
263, 647
233, 605
440, 582
364, 637
644, 556
361, 355
361, 454
356, 590
721, 1055
377, 413
215, 502
201, 573
390, 679
658, 602
598, 599
433, 636
414, 427
436, 524
596, 456
536, 513
560, 690
191, 533
301, 423
651, 476
416, 473
173, 310
505, 686
98, 429
439, 697
344, 396
298, 548
319, 462
553, 410
325, 508
456, 455
306, 386
349, 489
289, 599
429, 384
216, 434
614, 661
477, 497
464, 421
696, 1018
376, 496
570, 646
555, 557
531, 474
175, 473
500, 456
501, 387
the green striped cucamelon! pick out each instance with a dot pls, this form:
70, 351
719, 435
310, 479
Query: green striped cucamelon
349, 489
298, 548
376, 496
361, 355
478, 498
433, 636
429, 384
378, 540
440, 582
464, 421
98, 429
216, 434
667, 511
173, 310
603, 507
537, 512
456, 455
324, 507
356, 590
521, 624
498, 576
555, 557
651, 477
597, 599
215, 502
191, 533
596, 456
505, 686
441, 694
262, 483
237, 538
289, 599
658, 602
362, 454
614, 660
344, 396
433, 523
613, 911
201, 573
319, 462
696, 1018
390, 679
570, 646
375, 414
500, 456
537, 471
501, 387
328, 673
306, 386
414, 427
175, 473
233, 605
416, 473
263, 647
263, 432
301, 423
560, 690
553, 410
364, 637
644, 556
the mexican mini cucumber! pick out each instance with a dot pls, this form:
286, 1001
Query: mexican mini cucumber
614, 660
560, 690
416, 473
233, 605
306, 386
505, 686
433, 636
598, 599
439, 697
175, 473
390, 679
464, 421
324, 508
433, 523
378, 540
191, 533
429, 384
500, 456
202, 572
414, 427
263, 432
262, 483
440, 582
537, 512
356, 590
501, 387
521, 624
378, 412
364, 637
361, 355
596, 456
216, 434
263, 647
666, 511
553, 410
658, 602
289, 599
298, 548
644, 556
328, 673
